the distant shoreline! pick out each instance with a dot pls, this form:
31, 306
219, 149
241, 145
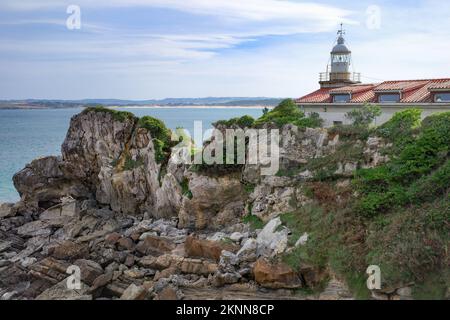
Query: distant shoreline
189, 107
139, 107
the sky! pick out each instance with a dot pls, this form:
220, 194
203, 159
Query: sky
153, 49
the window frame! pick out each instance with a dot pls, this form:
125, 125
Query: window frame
442, 93
348, 95
397, 94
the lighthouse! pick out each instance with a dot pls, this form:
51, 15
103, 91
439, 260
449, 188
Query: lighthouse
339, 72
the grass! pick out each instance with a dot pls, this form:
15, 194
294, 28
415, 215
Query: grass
117, 115
185, 189
249, 188
255, 222
131, 164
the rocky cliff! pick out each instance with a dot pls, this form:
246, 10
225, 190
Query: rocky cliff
141, 226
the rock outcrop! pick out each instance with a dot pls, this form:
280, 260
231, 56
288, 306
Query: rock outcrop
141, 228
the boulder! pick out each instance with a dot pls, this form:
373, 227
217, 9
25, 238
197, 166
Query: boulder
44, 181
90, 270
69, 250
270, 241
35, 228
275, 275
155, 245
60, 214
125, 244
195, 247
6, 210
168, 293
134, 292
61, 292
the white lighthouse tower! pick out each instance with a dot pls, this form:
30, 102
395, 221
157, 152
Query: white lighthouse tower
338, 72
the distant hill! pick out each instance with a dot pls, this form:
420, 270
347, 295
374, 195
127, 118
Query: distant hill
208, 101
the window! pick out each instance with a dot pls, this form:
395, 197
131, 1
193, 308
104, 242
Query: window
341, 98
442, 97
338, 123
389, 97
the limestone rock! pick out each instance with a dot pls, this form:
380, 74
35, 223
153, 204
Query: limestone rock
275, 276
60, 291
155, 245
134, 292
216, 203
6, 210
206, 248
44, 181
69, 250
90, 270
35, 228
271, 242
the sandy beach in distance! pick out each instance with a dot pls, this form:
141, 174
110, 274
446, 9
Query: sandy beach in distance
191, 107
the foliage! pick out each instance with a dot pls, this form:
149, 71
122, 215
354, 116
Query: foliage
161, 136
411, 243
419, 172
401, 124
255, 222
364, 116
117, 115
185, 189
400, 129
131, 164
242, 122
249, 188
350, 132
287, 112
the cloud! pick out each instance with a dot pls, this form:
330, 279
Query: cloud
239, 9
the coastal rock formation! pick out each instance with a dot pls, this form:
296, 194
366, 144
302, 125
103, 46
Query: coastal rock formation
139, 225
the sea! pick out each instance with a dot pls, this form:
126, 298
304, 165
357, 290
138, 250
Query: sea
27, 134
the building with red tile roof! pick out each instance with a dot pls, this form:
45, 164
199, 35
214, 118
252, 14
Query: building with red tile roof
341, 91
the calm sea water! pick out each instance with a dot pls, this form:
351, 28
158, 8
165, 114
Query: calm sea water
28, 134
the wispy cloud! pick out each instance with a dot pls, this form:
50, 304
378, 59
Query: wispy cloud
156, 48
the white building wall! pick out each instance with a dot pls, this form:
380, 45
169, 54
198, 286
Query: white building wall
336, 112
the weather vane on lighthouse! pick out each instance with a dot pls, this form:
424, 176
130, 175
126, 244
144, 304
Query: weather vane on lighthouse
342, 31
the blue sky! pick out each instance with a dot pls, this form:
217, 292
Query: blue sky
143, 49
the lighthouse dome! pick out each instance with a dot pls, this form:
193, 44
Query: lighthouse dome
340, 47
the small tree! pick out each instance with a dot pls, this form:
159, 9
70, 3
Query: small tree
364, 116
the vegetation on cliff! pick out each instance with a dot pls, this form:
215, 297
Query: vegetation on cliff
287, 112
396, 215
117, 115
161, 136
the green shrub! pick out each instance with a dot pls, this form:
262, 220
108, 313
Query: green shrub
287, 112
117, 115
400, 125
350, 132
131, 164
161, 136
420, 171
185, 189
364, 116
255, 222
242, 122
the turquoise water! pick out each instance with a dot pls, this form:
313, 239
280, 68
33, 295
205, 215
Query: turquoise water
28, 134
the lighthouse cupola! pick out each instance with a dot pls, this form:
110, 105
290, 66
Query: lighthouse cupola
338, 72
